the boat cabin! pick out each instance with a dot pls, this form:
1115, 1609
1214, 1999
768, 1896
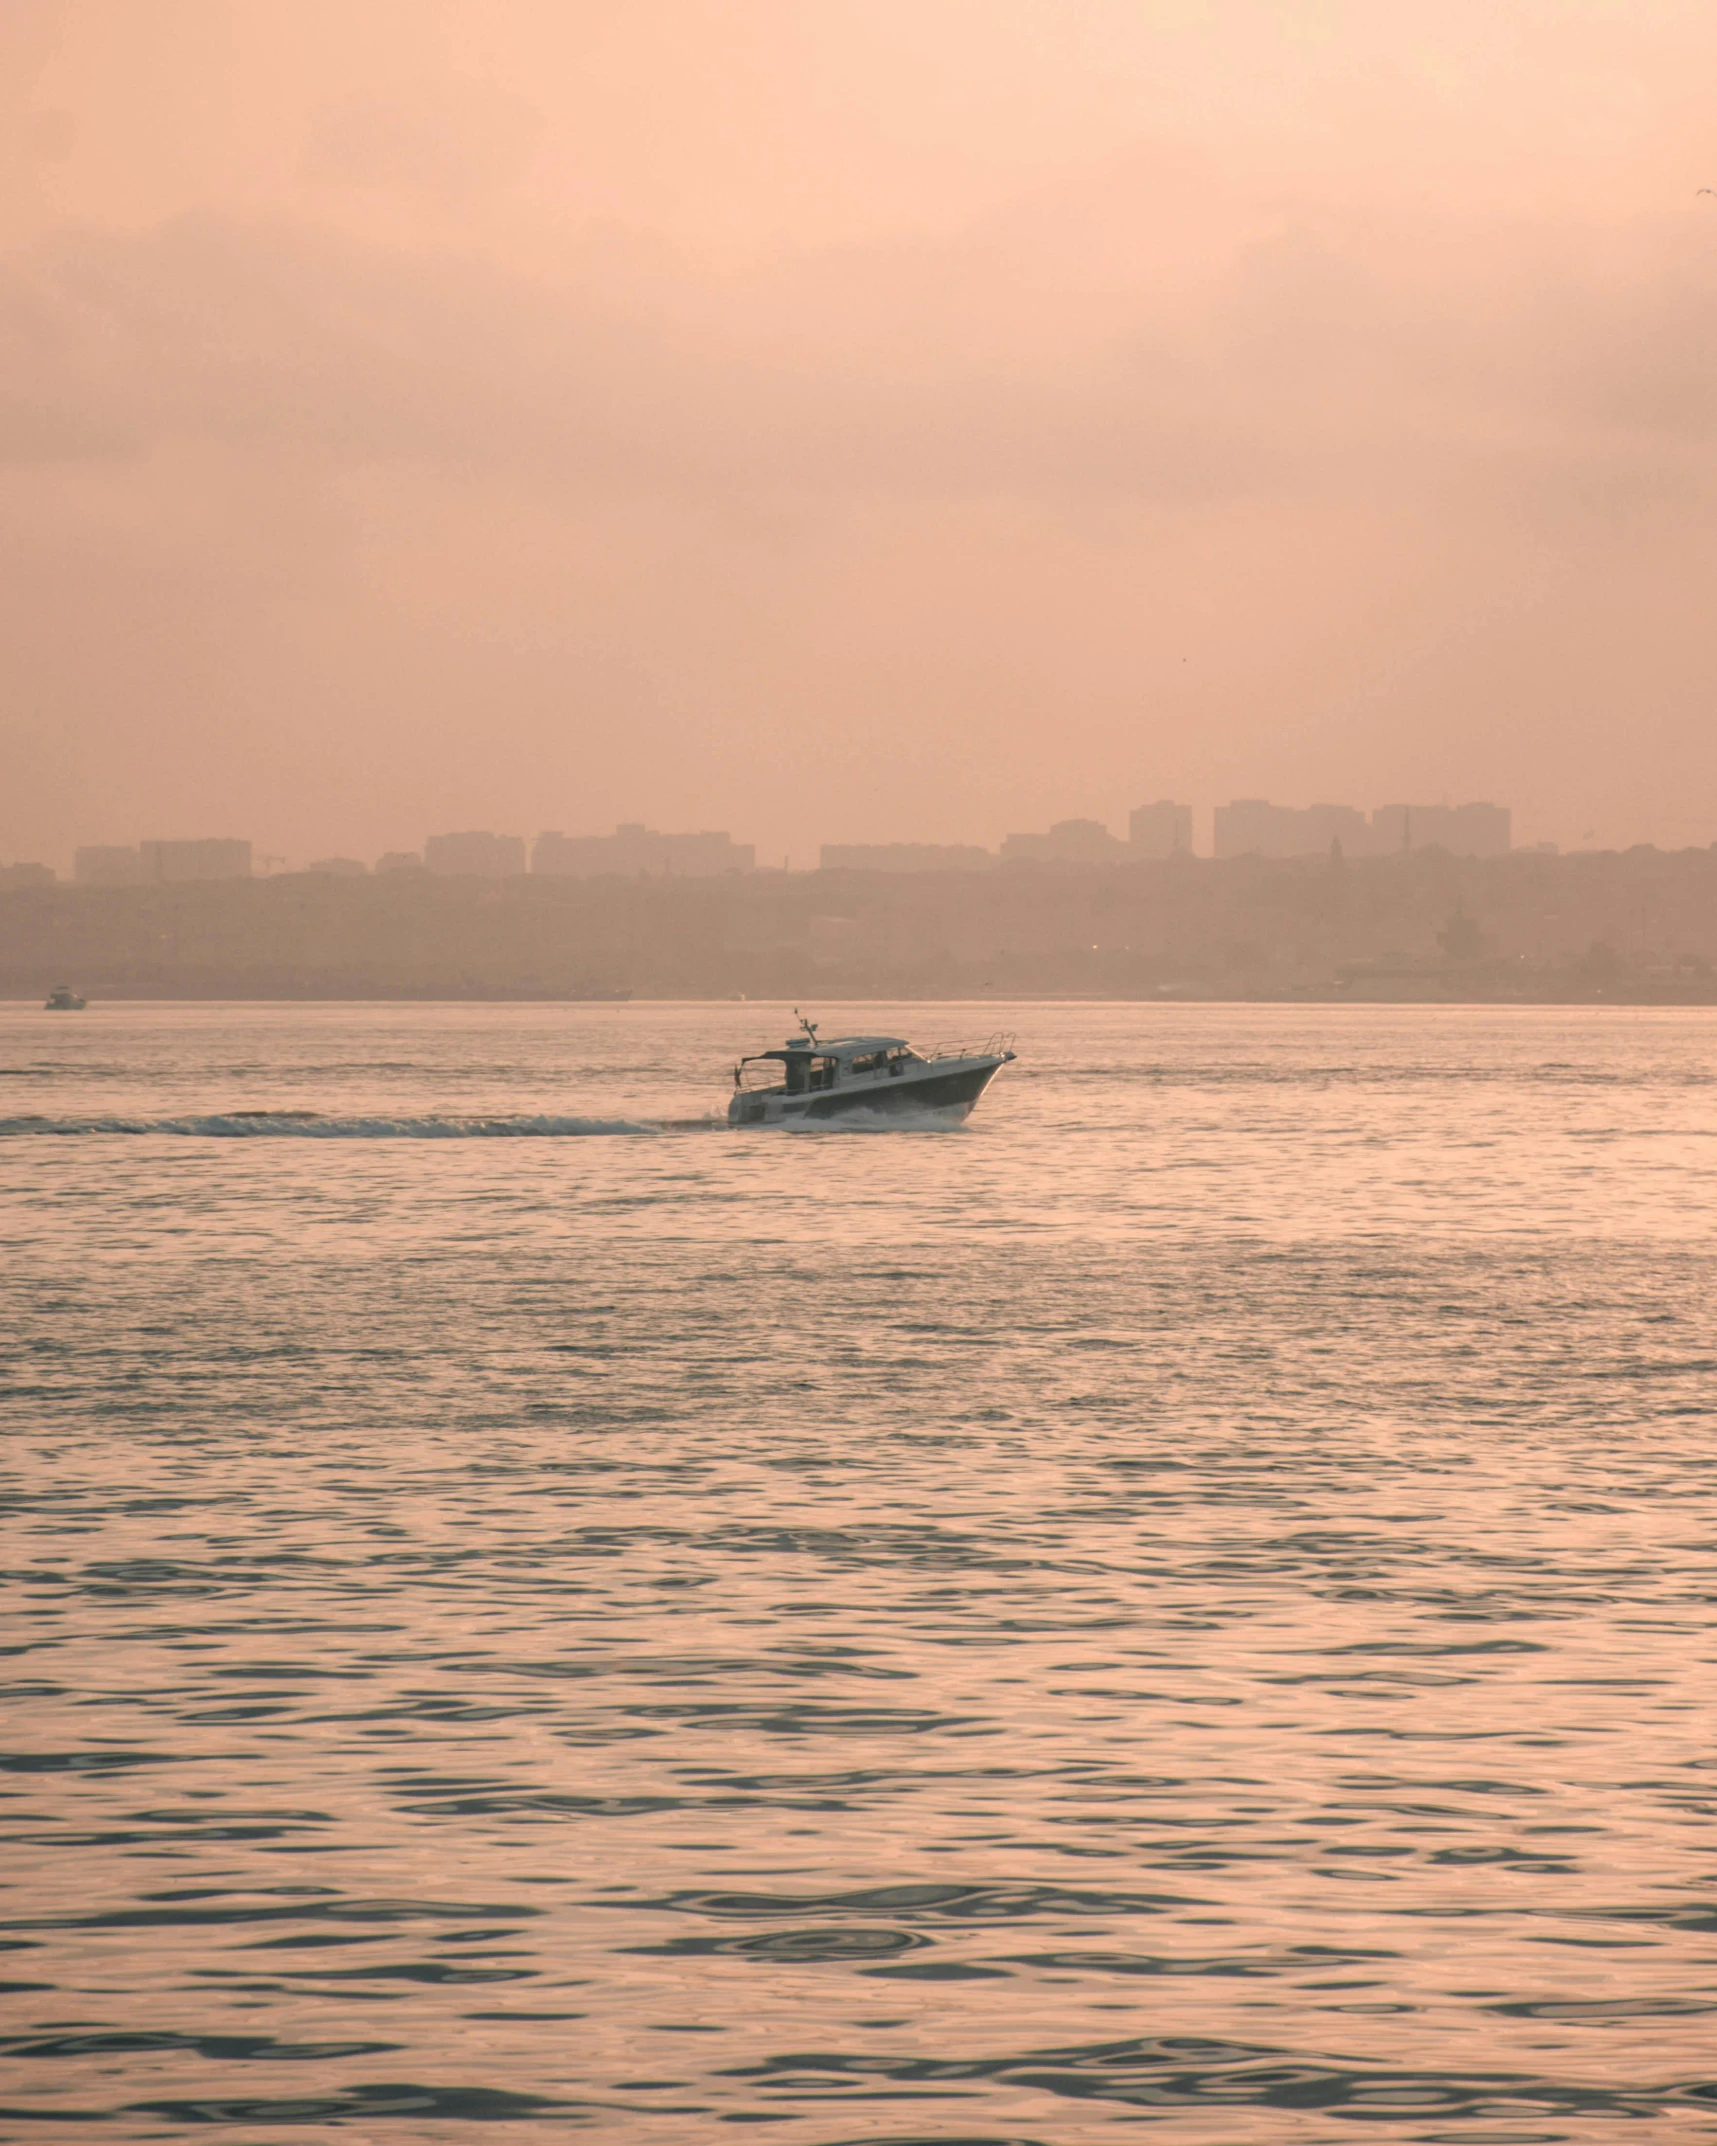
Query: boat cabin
808, 1067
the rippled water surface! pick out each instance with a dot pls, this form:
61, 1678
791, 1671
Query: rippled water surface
1185, 1603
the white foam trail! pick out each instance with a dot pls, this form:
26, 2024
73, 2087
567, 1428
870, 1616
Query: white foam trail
308, 1125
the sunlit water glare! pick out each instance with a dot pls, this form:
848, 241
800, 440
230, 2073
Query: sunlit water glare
1186, 1602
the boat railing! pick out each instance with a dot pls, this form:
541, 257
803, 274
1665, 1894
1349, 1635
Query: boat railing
996, 1046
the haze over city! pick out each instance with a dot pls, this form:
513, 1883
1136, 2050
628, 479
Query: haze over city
850, 425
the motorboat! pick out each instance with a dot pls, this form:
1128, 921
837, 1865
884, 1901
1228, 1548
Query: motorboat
63, 999
808, 1079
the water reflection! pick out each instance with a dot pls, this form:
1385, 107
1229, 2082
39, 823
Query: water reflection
1188, 1602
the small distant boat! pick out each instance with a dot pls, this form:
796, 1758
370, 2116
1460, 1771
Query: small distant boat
63, 999
861, 1075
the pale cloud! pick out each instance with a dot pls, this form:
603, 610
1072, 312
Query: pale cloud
1325, 358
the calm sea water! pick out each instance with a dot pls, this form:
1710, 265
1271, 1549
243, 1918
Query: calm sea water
1186, 1603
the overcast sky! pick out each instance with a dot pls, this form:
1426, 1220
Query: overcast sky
844, 420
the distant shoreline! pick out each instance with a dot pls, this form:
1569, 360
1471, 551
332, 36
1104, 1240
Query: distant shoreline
1638, 928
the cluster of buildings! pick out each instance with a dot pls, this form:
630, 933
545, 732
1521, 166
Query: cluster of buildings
630, 851
149, 864
1160, 830
1249, 826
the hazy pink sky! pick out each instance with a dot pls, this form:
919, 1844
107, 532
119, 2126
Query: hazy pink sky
851, 419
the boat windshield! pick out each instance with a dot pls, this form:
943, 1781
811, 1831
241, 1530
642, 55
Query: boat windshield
799, 1072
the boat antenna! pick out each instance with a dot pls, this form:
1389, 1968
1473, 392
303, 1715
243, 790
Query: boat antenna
810, 1027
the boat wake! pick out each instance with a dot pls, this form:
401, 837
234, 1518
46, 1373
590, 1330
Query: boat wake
312, 1125
315, 1125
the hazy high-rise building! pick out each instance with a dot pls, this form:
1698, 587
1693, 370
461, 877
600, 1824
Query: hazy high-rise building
475, 856
1067, 842
108, 864
194, 860
634, 849
26, 875
1160, 830
1463, 830
905, 857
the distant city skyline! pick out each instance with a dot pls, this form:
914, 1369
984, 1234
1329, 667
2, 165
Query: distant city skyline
359, 830
1160, 828
1530, 828
1194, 828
